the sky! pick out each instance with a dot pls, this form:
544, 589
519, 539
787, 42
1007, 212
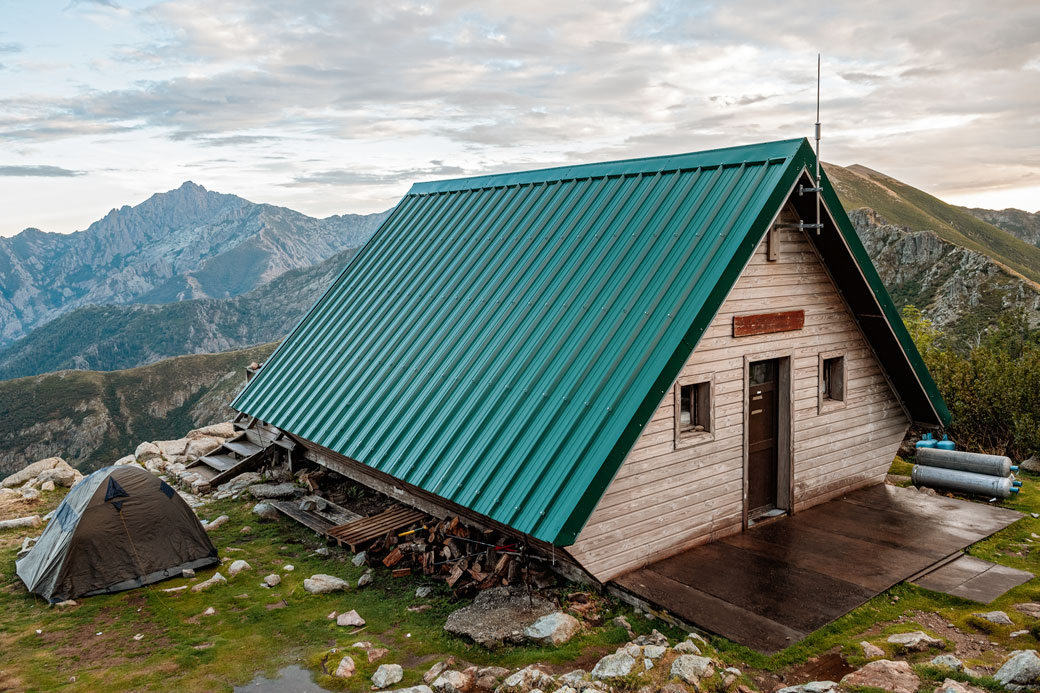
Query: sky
330, 107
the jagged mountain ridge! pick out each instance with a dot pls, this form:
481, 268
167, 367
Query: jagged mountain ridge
1024, 225
183, 244
110, 338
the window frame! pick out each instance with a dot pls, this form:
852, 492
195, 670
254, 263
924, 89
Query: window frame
688, 438
825, 403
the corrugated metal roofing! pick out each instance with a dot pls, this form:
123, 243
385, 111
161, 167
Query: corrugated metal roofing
501, 340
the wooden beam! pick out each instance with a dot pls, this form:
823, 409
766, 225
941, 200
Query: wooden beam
767, 323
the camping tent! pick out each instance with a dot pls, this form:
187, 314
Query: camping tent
119, 528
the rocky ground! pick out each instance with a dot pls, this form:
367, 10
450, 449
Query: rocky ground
281, 596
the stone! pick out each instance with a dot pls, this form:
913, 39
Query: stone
525, 680
239, 483
123, 461
655, 638
217, 523
947, 661
613, 666
622, 622
47, 485
575, 677
654, 651
692, 668
365, 579
323, 584
31, 472
272, 580
288, 567
498, 615
67, 603
359, 559
147, 451
266, 511
414, 689
199, 447
246, 530
631, 649
1022, 669
951, 686
237, 567
1019, 633
375, 653
687, 647
1031, 609
811, 687
387, 675
885, 674
187, 573
225, 429
437, 669
322, 551
423, 592
345, 669
998, 617
870, 650
494, 672
209, 611
915, 641
351, 618
217, 579
553, 629
269, 491
1031, 465
452, 681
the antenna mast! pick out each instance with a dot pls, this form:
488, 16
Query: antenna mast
818, 182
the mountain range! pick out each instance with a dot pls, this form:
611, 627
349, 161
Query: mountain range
187, 243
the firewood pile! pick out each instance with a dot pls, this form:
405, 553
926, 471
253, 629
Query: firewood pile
467, 559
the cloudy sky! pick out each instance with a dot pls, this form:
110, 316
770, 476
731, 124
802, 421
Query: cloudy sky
332, 106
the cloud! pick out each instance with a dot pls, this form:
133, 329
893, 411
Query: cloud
38, 172
99, 3
337, 177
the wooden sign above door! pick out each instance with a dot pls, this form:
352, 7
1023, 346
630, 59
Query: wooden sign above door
767, 323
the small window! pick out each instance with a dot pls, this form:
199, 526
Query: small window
833, 375
693, 412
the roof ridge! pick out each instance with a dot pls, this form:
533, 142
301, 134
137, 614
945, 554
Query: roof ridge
754, 153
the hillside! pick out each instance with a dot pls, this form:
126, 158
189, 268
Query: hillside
1024, 225
110, 338
183, 244
91, 418
903, 205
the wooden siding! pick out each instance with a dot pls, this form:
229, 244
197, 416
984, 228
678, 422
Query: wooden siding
666, 498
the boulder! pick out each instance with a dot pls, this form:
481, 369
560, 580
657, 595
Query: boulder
1031, 465
498, 615
198, 447
885, 674
32, 471
525, 680
811, 687
414, 689
147, 451
266, 511
157, 465
323, 584
1021, 671
272, 580
553, 629
238, 566
240, 483
452, 681
951, 686
387, 675
217, 579
224, 429
47, 485
947, 661
217, 523
915, 641
998, 617
1031, 609
173, 450
654, 651
688, 647
614, 666
692, 668
351, 619
345, 669
268, 491
871, 651
437, 669
123, 461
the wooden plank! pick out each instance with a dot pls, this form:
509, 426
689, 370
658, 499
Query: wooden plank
368, 528
220, 463
309, 520
243, 447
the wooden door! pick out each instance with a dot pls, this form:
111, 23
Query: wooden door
763, 428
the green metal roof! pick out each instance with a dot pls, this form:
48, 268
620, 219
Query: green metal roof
501, 341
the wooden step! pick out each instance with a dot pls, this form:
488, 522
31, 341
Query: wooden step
257, 436
243, 447
221, 463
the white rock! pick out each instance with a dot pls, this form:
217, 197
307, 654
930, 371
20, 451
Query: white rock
947, 661
225, 429
323, 584
387, 675
147, 451
998, 617
123, 461
414, 689
219, 522
217, 579
654, 651
31, 472
365, 579
265, 511
870, 650
322, 551
209, 611
452, 681
187, 573
423, 592
345, 669
915, 641
173, 450
528, 678
555, 629
288, 567
359, 559
198, 447
692, 668
613, 666
1022, 668
811, 687
272, 580
47, 485
687, 647
351, 618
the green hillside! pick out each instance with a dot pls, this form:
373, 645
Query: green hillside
92, 418
859, 186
